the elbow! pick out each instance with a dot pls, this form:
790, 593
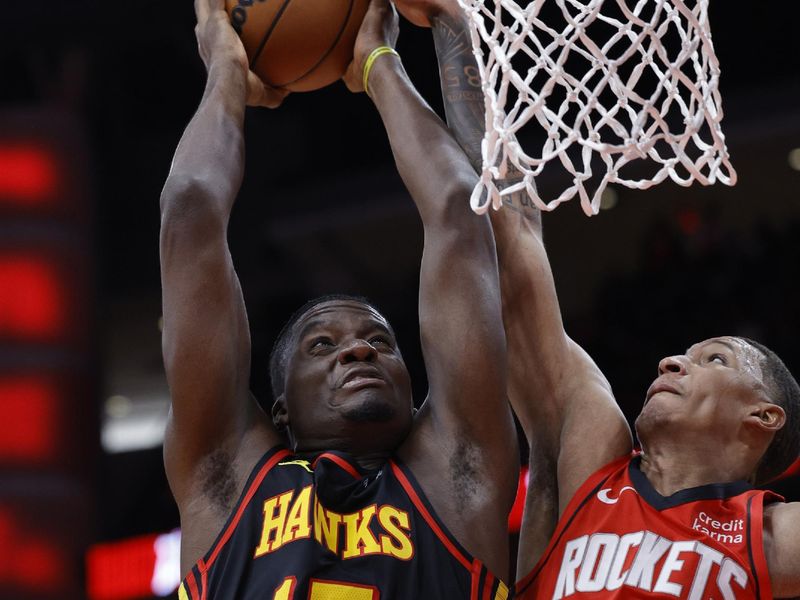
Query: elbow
190, 212
183, 190
190, 199
452, 210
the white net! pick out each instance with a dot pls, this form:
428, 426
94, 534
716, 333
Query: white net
603, 84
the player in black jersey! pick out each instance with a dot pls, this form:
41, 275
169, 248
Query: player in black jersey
368, 501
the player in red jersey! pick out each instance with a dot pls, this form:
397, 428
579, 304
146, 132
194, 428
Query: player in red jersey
680, 519
400, 505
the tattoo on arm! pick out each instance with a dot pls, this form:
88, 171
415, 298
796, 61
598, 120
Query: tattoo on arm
461, 84
463, 101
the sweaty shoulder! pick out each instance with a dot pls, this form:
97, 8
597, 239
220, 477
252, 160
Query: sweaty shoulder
782, 547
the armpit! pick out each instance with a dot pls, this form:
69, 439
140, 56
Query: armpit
217, 480
465, 474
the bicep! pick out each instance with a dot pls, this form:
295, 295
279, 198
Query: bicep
574, 426
782, 548
461, 328
562, 399
593, 431
206, 344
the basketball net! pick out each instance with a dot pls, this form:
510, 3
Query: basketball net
603, 83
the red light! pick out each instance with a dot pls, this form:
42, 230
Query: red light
31, 298
28, 175
121, 570
29, 417
689, 221
29, 562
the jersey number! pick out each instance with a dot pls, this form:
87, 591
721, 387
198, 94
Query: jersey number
327, 590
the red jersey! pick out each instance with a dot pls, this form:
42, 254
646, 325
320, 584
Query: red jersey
328, 530
620, 538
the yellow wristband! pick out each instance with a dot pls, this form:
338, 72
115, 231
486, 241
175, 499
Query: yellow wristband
371, 59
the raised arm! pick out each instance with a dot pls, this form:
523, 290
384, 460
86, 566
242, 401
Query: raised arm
782, 548
215, 430
563, 401
462, 448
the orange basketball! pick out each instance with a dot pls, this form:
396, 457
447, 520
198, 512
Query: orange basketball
299, 45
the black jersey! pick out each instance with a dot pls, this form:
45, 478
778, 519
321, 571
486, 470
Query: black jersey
328, 530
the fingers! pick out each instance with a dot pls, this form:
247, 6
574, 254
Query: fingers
259, 94
201, 10
204, 8
380, 27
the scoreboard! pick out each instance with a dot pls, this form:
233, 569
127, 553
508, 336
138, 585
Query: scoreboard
48, 370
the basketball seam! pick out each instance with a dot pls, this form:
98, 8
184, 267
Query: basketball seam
333, 45
269, 31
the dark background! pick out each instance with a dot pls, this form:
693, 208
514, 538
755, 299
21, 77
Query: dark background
322, 210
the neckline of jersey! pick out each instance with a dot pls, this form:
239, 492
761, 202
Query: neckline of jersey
710, 491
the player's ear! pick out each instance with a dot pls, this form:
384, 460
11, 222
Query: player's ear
767, 417
280, 414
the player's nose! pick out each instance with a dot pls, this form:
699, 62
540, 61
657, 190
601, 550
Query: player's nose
672, 364
357, 350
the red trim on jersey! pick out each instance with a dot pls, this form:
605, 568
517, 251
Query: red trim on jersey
203, 580
279, 455
346, 466
193, 594
476, 581
415, 499
564, 520
756, 541
293, 585
487, 586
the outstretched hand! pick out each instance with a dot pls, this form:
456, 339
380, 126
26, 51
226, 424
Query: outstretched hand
380, 27
218, 43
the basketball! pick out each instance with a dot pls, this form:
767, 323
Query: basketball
298, 45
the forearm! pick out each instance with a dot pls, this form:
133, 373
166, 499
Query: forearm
205, 336
464, 108
433, 166
530, 312
517, 226
458, 272
209, 159
461, 83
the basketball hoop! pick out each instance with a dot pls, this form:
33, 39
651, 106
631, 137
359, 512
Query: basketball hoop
627, 85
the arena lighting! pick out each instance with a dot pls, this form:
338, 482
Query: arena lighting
689, 221
143, 566
794, 159
32, 302
609, 198
28, 174
29, 562
29, 419
130, 425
